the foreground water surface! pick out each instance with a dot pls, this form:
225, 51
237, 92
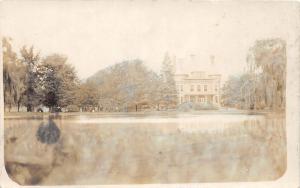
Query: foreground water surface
138, 148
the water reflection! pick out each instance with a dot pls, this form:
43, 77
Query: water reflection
196, 148
48, 133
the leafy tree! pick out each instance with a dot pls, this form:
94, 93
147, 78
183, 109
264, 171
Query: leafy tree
31, 60
58, 81
270, 57
20, 85
231, 92
263, 85
9, 59
13, 76
88, 96
168, 88
126, 86
30, 82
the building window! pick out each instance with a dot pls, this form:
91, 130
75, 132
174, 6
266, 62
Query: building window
192, 87
181, 88
199, 88
216, 99
205, 87
216, 87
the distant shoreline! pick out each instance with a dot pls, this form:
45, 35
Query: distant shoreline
146, 113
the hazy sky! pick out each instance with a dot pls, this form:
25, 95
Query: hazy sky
96, 34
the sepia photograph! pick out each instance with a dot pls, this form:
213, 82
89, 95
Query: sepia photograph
150, 92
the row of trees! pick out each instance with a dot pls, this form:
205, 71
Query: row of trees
34, 81
263, 84
31, 80
130, 85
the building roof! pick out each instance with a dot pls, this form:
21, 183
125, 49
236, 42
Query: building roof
197, 75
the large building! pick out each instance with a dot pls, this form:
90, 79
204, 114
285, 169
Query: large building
198, 87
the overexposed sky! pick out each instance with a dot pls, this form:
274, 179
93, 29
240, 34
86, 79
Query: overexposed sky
96, 34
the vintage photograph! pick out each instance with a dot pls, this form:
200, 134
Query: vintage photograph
117, 92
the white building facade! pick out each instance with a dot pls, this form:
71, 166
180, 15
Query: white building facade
198, 87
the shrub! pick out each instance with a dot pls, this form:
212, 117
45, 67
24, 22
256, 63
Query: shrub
189, 106
72, 108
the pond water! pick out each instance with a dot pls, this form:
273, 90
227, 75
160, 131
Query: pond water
139, 148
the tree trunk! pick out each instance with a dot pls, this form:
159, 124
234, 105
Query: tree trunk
29, 108
18, 106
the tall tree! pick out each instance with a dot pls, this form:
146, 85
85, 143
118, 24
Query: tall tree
231, 92
13, 76
126, 86
9, 59
168, 89
58, 81
270, 58
264, 82
88, 96
31, 60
